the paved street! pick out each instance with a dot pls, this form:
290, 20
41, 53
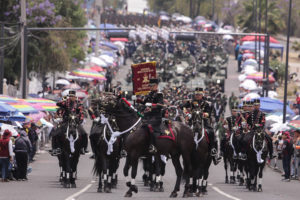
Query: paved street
43, 181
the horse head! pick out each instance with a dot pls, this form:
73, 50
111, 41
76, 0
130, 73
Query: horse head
197, 120
259, 141
72, 127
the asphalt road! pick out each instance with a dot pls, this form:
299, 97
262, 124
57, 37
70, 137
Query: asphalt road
43, 181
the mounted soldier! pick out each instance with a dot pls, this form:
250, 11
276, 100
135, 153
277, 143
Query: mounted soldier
257, 120
198, 103
153, 112
68, 106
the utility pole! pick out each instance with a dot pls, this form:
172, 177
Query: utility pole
213, 10
23, 49
98, 6
287, 62
1, 56
259, 38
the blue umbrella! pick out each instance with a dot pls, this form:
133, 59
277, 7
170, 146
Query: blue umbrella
6, 109
110, 45
271, 105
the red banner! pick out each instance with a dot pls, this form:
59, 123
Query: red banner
141, 74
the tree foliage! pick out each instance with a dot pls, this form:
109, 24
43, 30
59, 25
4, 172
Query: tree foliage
47, 51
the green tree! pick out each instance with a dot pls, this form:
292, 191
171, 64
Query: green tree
275, 21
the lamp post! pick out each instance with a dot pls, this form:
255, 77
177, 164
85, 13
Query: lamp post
287, 62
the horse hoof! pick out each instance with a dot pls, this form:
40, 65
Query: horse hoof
107, 190
259, 189
128, 184
67, 185
99, 190
226, 181
73, 185
173, 195
128, 194
134, 188
146, 184
161, 189
114, 186
241, 184
186, 195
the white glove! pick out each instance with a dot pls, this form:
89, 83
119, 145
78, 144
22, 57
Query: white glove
235, 128
97, 119
148, 104
133, 97
226, 126
189, 116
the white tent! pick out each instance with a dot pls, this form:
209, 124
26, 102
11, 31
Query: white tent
249, 85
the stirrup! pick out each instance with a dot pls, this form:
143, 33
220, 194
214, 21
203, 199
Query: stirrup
213, 152
152, 149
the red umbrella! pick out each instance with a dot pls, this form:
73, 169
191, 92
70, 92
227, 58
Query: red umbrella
262, 39
97, 68
119, 39
258, 76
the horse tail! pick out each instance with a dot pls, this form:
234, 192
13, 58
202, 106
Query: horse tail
97, 168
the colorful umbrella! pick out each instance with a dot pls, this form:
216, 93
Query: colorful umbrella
6, 110
24, 108
258, 76
5, 98
294, 124
39, 100
88, 73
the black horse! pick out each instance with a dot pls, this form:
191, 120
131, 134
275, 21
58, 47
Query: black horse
201, 158
70, 142
256, 157
136, 143
105, 166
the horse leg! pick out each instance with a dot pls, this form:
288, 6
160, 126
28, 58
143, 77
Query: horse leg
205, 177
260, 175
157, 173
105, 176
161, 183
67, 171
178, 170
188, 171
226, 169
146, 172
126, 171
100, 183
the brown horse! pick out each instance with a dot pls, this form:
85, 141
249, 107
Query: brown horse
136, 143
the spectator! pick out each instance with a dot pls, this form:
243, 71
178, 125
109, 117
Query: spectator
239, 59
22, 150
296, 163
33, 137
287, 151
6, 153
236, 50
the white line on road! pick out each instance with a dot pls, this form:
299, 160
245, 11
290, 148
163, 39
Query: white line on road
223, 193
73, 196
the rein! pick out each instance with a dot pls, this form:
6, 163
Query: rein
258, 153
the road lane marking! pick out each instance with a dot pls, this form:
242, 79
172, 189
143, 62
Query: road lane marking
223, 193
73, 196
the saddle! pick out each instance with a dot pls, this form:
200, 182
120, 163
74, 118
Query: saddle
166, 130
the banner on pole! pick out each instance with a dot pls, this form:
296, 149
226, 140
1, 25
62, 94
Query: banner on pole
141, 74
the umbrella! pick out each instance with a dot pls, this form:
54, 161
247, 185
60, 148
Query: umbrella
110, 45
98, 62
272, 94
108, 59
23, 107
79, 94
248, 56
40, 100
119, 39
4, 98
248, 69
52, 97
73, 86
262, 39
17, 117
251, 96
97, 68
249, 85
10, 128
242, 77
258, 76
6, 109
198, 18
271, 105
294, 124
88, 73
277, 127
227, 37
62, 82
250, 62
36, 117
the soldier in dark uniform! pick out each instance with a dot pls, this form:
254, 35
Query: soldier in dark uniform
256, 121
153, 113
234, 126
199, 103
66, 107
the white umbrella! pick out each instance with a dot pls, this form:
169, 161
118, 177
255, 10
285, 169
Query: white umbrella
164, 18
120, 44
79, 94
242, 77
10, 128
249, 85
277, 127
251, 96
62, 82
272, 94
227, 37
250, 62
98, 62
249, 70
106, 58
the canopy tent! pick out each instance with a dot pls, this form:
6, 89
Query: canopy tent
270, 105
88, 73
251, 46
262, 39
258, 77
